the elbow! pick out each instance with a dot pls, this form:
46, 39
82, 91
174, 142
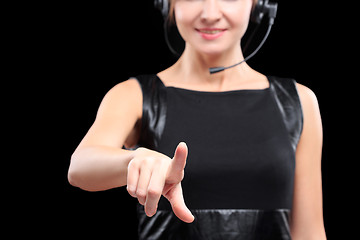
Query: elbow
72, 178
77, 177
76, 180
74, 175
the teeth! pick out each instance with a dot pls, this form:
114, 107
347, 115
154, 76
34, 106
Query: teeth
210, 31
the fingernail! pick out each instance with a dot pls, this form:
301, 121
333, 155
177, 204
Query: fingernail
151, 213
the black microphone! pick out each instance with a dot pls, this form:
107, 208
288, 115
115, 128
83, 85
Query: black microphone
271, 9
220, 69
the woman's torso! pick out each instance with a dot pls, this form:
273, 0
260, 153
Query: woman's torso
240, 168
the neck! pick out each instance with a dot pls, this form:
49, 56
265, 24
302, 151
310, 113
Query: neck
195, 66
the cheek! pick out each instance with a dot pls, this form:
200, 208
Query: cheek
180, 12
183, 18
239, 19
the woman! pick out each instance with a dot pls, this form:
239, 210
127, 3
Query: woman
251, 143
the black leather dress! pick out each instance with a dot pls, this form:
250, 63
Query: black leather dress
240, 169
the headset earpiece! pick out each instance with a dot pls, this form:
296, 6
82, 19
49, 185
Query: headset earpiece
264, 7
163, 6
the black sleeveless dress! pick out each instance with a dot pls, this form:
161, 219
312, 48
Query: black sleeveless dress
239, 173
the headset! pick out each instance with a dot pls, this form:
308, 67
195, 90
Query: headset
263, 8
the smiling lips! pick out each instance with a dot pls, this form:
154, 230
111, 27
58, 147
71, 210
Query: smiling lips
210, 33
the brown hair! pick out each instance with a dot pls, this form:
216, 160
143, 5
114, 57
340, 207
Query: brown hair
171, 17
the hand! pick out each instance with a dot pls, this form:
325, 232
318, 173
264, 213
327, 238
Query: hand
152, 174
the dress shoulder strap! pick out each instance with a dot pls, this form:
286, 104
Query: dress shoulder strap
287, 98
154, 110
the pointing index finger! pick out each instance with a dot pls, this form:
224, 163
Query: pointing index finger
180, 156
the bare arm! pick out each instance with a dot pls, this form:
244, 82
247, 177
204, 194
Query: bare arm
99, 162
97, 168
307, 213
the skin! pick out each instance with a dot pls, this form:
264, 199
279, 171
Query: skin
99, 163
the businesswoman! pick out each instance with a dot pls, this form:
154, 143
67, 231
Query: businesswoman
230, 155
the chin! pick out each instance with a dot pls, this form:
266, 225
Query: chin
212, 50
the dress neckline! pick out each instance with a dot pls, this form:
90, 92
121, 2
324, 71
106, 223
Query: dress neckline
216, 92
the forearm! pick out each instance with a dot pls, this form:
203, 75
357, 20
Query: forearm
315, 236
99, 168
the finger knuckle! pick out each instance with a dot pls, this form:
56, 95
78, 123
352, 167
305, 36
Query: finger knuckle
159, 162
152, 162
154, 192
133, 164
131, 190
147, 162
140, 193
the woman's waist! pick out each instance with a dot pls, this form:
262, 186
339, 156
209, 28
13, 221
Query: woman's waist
217, 224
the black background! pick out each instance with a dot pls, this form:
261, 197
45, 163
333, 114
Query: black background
75, 52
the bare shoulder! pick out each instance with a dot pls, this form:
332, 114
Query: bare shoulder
311, 113
126, 89
307, 97
124, 95
117, 117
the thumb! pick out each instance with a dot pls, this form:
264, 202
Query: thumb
176, 170
178, 206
